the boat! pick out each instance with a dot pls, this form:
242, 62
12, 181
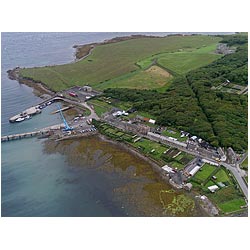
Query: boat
27, 117
20, 119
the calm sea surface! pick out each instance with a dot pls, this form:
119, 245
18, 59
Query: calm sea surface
35, 183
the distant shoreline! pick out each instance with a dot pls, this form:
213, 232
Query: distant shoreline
82, 52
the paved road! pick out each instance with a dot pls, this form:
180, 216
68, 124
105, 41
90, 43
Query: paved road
244, 156
236, 172
93, 115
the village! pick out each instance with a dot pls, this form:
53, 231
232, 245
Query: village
186, 161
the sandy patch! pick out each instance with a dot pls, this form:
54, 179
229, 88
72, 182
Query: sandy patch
155, 70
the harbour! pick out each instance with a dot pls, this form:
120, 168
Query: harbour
36, 180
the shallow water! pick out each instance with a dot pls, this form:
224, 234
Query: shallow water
133, 185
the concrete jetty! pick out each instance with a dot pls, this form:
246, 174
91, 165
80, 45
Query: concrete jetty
63, 109
31, 134
28, 112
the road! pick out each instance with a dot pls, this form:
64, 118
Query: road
93, 115
244, 156
237, 174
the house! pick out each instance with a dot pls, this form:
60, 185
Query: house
188, 186
231, 155
194, 137
194, 170
87, 88
213, 188
168, 169
145, 119
222, 154
151, 121
210, 162
119, 113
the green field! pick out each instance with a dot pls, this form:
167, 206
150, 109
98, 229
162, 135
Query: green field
228, 199
152, 78
100, 106
183, 61
206, 171
112, 60
222, 176
231, 206
148, 146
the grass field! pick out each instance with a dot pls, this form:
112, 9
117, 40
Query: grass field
222, 176
206, 171
154, 149
99, 106
152, 78
181, 62
231, 206
228, 199
112, 60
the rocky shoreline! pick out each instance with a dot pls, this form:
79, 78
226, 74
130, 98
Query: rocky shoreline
39, 88
82, 52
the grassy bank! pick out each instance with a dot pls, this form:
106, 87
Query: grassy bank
112, 60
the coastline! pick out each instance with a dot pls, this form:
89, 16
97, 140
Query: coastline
81, 53
206, 205
143, 187
40, 88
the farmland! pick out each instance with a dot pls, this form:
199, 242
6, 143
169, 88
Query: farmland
112, 60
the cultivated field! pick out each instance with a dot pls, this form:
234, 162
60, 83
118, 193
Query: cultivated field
113, 60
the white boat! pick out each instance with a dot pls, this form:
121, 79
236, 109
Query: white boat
27, 117
20, 119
